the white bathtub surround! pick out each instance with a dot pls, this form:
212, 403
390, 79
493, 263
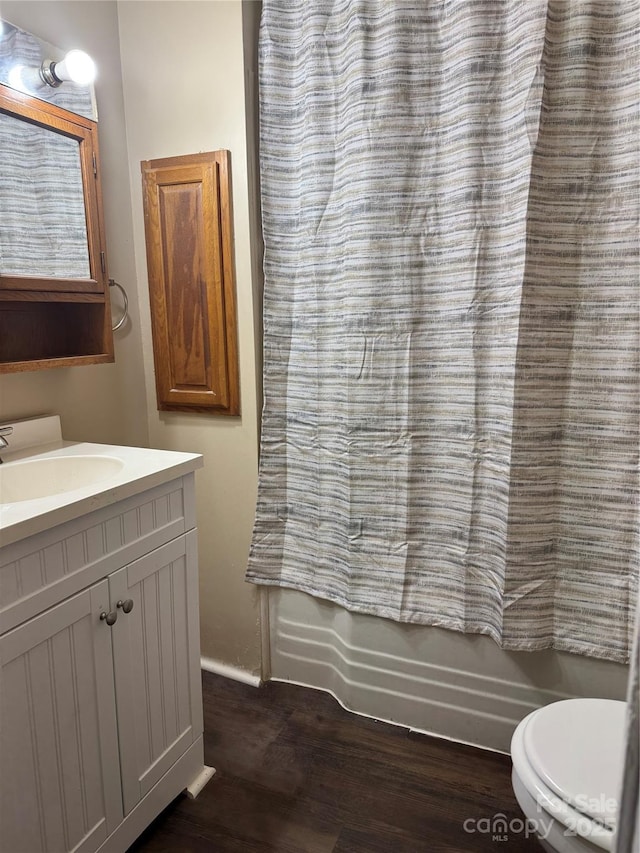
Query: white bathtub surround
456, 686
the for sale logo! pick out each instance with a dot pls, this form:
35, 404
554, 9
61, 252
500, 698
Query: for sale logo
501, 828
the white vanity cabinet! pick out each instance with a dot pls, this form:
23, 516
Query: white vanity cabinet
100, 691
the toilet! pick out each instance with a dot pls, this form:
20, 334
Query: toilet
567, 769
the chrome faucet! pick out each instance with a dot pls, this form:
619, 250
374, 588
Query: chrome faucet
4, 430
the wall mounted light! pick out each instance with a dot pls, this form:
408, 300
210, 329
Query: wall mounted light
76, 67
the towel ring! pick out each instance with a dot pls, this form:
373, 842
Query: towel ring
125, 312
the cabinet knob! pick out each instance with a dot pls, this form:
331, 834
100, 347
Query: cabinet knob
126, 605
110, 618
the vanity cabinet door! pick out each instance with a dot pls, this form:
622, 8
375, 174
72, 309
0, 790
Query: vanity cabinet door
156, 663
60, 773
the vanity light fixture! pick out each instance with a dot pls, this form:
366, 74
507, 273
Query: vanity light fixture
76, 67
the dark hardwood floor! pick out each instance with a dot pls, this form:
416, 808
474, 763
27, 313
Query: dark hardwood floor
296, 773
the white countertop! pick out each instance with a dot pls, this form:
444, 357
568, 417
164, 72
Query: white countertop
141, 469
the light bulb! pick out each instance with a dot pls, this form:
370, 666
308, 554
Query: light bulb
14, 78
24, 79
77, 66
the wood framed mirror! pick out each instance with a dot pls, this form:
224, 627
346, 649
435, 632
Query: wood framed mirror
50, 224
54, 289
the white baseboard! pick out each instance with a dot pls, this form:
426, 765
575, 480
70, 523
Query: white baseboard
228, 671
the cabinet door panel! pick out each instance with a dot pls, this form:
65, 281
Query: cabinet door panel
58, 730
189, 236
157, 686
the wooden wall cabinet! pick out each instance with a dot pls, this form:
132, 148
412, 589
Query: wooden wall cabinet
52, 320
189, 238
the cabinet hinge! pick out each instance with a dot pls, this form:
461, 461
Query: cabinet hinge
103, 263
95, 164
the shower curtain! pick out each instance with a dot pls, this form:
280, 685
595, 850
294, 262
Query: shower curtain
450, 431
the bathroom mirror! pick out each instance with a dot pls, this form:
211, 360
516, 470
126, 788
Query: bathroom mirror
49, 215
54, 288
42, 217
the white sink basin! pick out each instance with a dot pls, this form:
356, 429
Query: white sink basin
40, 478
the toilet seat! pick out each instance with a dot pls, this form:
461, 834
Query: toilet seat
576, 748
568, 756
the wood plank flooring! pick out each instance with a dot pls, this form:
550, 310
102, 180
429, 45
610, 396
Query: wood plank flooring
296, 773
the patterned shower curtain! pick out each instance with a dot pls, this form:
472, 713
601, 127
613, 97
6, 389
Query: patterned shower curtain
450, 211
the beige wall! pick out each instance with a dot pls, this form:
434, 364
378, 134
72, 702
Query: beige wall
181, 87
183, 75
103, 403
